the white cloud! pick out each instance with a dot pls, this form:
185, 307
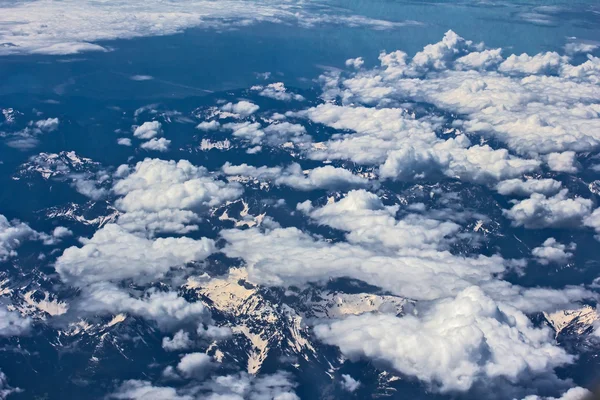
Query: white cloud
214, 332
539, 211
27, 138
593, 221
48, 125
542, 63
579, 47
250, 131
562, 162
576, 393
23, 143
195, 364
513, 101
276, 134
242, 108
167, 220
208, 125
283, 132
57, 235
277, 91
5, 389
113, 254
60, 232
154, 185
166, 196
180, 341
406, 257
124, 141
12, 234
277, 386
167, 309
518, 187
349, 383
289, 257
12, 324
453, 344
72, 26
155, 144
147, 130
355, 62
369, 222
144, 390
480, 59
88, 186
408, 148
552, 251
326, 177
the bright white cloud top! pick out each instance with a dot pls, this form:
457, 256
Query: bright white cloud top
70, 27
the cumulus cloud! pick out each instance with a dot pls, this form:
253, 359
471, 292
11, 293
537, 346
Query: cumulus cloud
579, 47
208, 125
576, 393
452, 345
154, 185
143, 390
88, 185
277, 386
12, 234
59, 233
540, 211
114, 254
543, 63
250, 131
369, 222
47, 125
277, 134
536, 104
277, 91
167, 309
562, 162
593, 221
479, 59
163, 221
281, 133
518, 187
180, 341
241, 109
289, 257
408, 148
407, 257
355, 62
195, 365
124, 141
214, 332
27, 138
552, 251
12, 324
155, 144
148, 130
166, 196
326, 177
